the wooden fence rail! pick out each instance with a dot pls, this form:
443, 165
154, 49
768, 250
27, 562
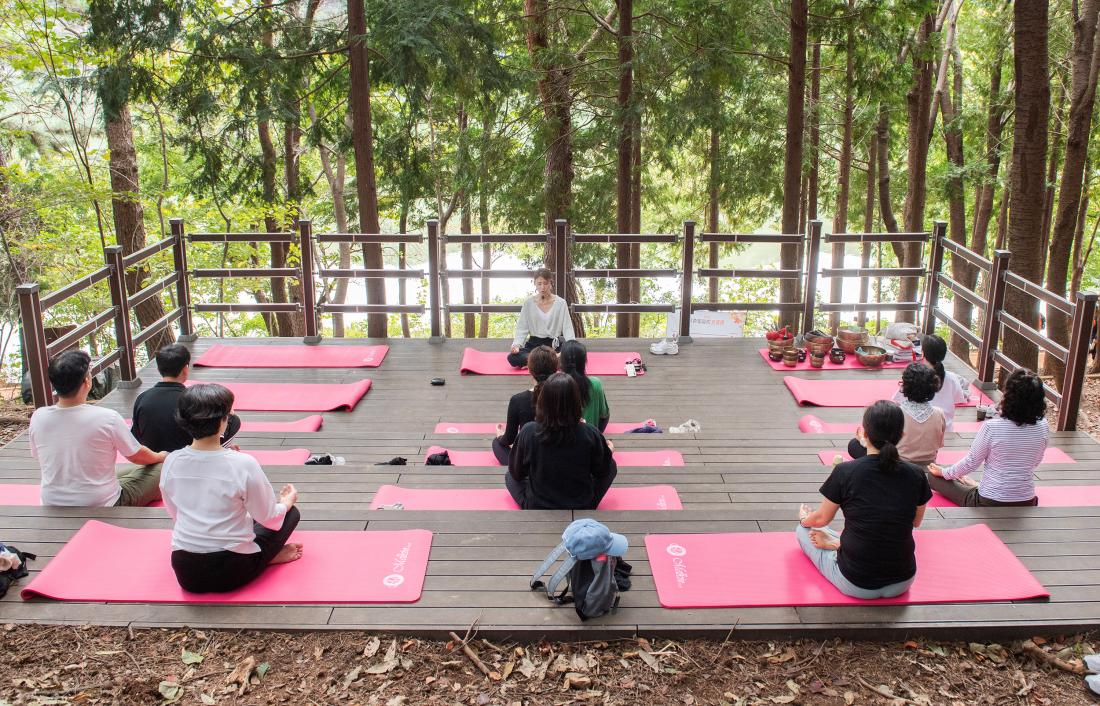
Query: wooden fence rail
987, 298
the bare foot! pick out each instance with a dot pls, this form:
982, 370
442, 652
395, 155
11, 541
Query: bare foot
822, 540
804, 511
289, 553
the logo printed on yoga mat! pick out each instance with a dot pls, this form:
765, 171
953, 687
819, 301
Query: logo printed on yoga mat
393, 580
399, 561
452, 430
662, 504
679, 568
676, 550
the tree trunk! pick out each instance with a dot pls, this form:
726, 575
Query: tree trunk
1029, 152
814, 109
844, 171
1069, 220
483, 215
951, 107
918, 101
636, 224
362, 140
403, 263
713, 194
276, 323
625, 151
885, 207
129, 217
868, 224
1080, 252
1056, 131
336, 179
295, 324
987, 186
466, 227
792, 162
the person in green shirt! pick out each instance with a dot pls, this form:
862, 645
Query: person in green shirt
594, 409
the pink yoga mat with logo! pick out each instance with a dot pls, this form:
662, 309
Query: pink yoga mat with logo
292, 356
948, 456
266, 457
496, 363
663, 457
293, 397
491, 427
652, 497
1049, 496
850, 363
336, 567
855, 393
768, 569
810, 424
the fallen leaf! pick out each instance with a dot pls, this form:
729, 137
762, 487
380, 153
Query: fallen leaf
261, 669
372, 646
207, 699
526, 667
784, 699
507, 671
574, 680
397, 701
849, 697
650, 660
911, 645
1039, 640
188, 657
170, 690
241, 673
351, 677
793, 686
786, 656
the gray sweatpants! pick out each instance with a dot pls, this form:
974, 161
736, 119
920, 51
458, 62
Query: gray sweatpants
826, 562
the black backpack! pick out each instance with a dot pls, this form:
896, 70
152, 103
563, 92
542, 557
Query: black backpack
7, 578
592, 586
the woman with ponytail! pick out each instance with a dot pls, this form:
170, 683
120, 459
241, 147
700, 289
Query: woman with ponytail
1010, 447
883, 499
952, 389
542, 362
594, 409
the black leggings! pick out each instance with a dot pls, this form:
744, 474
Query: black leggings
521, 491
502, 452
218, 572
519, 359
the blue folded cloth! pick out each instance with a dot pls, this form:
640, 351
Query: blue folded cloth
646, 430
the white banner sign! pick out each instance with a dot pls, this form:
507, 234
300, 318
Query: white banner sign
709, 324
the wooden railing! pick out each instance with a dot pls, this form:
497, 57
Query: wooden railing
994, 273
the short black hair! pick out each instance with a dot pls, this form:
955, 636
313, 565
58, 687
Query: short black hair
559, 409
172, 359
919, 383
202, 408
1024, 400
68, 370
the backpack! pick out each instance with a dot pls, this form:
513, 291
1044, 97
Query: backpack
594, 583
10, 576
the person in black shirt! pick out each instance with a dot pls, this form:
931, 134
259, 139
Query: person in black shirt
883, 499
558, 462
154, 423
541, 363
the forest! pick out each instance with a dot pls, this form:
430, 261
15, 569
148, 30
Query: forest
622, 116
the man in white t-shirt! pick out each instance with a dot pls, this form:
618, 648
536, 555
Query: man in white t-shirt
76, 445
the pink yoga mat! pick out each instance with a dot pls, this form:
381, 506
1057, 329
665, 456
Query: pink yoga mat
266, 457
305, 424
292, 356
663, 457
336, 567
653, 497
491, 428
1049, 496
294, 397
850, 363
810, 424
761, 569
20, 494
949, 456
496, 363
855, 393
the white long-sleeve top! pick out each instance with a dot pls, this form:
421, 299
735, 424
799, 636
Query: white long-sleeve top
532, 322
1011, 453
213, 497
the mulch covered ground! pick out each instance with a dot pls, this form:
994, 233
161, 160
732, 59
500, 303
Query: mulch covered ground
91, 665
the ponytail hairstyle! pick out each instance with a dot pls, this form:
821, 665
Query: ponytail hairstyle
935, 351
541, 363
1023, 401
574, 359
559, 409
883, 423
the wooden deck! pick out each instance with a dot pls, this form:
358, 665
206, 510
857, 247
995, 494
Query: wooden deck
745, 472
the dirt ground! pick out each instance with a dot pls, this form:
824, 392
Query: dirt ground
89, 665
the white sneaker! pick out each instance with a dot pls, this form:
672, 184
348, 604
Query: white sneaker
664, 347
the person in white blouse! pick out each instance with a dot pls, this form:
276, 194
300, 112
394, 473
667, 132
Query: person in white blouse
228, 526
543, 321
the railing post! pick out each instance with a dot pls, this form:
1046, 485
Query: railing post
183, 285
34, 343
932, 281
433, 282
992, 324
561, 258
309, 288
810, 295
1077, 360
124, 339
687, 282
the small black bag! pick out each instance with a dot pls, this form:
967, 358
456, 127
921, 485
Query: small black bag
7, 578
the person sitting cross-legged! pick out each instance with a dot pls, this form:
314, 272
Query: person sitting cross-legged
1010, 447
924, 422
541, 363
228, 526
883, 499
558, 462
76, 445
154, 420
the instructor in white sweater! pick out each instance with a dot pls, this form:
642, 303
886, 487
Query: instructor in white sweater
543, 321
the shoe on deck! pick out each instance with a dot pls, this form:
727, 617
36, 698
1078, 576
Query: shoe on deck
664, 347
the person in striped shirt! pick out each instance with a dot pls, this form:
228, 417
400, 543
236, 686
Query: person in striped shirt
1010, 447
